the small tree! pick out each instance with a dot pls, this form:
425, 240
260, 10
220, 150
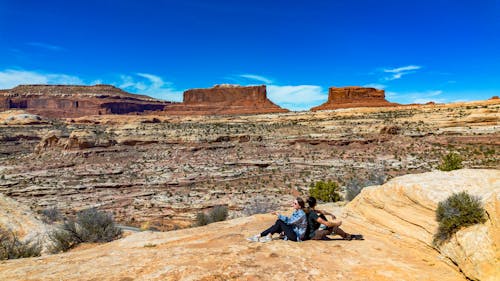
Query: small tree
91, 225
325, 191
218, 213
451, 161
457, 211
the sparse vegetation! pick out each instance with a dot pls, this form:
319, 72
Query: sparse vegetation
11, 247
451, 161
218, 213
91, 225
457, 211
325, 191
50, 215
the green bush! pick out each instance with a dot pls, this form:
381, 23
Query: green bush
325, 191
91, 225
50, 215
218, 213
11, 247
451, 161
457, 211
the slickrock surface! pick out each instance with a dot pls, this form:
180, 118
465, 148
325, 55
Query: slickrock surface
63, 101
225, 99
405, 207
19, 117
397, 220
19, 219
347, 97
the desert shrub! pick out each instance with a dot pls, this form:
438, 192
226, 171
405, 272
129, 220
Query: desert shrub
325, 191
50, 215
11, 247
457, 211
91, 225
355, 185
451, 161
218, 213
259, 205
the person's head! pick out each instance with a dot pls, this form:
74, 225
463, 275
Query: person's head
298, 203
311, 202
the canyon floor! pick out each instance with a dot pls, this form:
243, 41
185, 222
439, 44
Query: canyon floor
160, 171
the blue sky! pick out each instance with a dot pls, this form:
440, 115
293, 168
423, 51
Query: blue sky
418, 51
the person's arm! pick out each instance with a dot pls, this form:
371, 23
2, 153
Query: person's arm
291, 220
333, 223
326, 213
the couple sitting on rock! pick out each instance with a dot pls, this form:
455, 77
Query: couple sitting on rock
304, 224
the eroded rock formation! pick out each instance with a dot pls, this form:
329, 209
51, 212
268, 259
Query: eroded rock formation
347, 97
63, 101
225, 99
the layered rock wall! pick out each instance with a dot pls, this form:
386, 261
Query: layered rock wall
62, 101
348, 97
225, 99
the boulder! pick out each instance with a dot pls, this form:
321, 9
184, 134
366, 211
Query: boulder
347, 97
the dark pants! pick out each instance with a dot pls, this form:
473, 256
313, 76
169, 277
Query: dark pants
279, 227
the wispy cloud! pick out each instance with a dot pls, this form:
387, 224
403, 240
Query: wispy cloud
417, 97
299, 97
399, 72
45, 46
10, 78
151, 85
256, 78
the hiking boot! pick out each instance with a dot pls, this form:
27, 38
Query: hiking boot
265, 239
349, 237
254, 238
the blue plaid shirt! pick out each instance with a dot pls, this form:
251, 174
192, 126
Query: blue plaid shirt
299, 222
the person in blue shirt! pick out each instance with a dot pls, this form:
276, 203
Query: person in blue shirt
294, 227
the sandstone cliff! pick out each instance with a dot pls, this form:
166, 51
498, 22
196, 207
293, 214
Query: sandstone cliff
225, 99
397, 220
75, 101
348, 97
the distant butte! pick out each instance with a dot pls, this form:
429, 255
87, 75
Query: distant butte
64, 101
347, 97
225, 99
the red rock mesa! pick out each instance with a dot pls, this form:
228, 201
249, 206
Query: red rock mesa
347, 97
63, 101
225, 99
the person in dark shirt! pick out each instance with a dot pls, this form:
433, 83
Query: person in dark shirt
319, 227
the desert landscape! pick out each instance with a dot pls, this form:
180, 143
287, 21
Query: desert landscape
156, 170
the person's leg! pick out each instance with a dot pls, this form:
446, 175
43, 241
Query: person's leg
339, 231
321, 234
275, 228
288, 229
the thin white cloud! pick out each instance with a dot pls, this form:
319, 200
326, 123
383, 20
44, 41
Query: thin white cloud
399, 72
10, 78
46, 46
256, 78
417, 97
151, 85
300, 97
